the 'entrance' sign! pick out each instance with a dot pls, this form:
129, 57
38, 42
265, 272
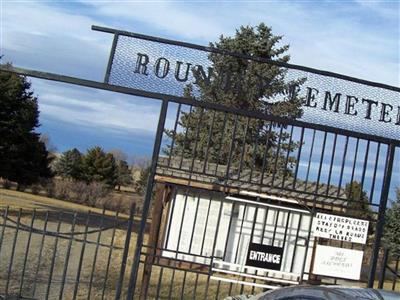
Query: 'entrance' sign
340, 228
338, 262
264, 256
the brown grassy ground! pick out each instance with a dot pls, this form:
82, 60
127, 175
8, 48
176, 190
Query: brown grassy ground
27, 201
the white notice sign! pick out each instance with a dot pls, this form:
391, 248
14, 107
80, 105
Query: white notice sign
338, 262
340, 228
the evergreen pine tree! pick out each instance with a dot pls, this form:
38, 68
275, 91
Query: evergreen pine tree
100, 166
242, 84
23, 157
123, 176
70, 165
392, 226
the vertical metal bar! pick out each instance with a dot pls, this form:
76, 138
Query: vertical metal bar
251, 238
242, 286
298, 158
229, 229
264, 224
264, 160
383, 268
309, 160
28, 243
295, 242
195, 286
240, 231
243, 148
147, 201
210, 134
171, 282
331, 164
208, 279
217, 293
231, 150
78, 273
365, 163
40, 251
254, 158
307, 244
111, 58
278, 150
381, 213
178, 112
125, 252
343, 166
12, 253
5, 216
253, 226
183, 285
67, 255
262, 235
109, 256
364, 169
230, 289
353, 170
96, 251
196, 142
53, 259
286, 228
205, 228
171, 216
194, 224
159, 283
396, 270
378, 150
213, 247
221, 143
275, 227
287, 157
320, 165
184, 139
179, 240
217, 228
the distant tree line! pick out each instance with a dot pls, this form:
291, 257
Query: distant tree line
94, 166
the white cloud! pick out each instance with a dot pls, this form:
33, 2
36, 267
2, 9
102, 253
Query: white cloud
36, 35
96, 108
169, 17
340, 38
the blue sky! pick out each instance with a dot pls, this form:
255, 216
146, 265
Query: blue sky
356, 38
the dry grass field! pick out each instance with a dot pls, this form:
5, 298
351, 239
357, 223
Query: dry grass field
27, 201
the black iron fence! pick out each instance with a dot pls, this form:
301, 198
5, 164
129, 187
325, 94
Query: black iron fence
60, 255
389, 276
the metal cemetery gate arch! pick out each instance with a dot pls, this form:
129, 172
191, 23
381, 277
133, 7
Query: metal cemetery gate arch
213, 204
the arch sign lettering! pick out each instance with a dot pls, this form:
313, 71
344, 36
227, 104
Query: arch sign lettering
169, 67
